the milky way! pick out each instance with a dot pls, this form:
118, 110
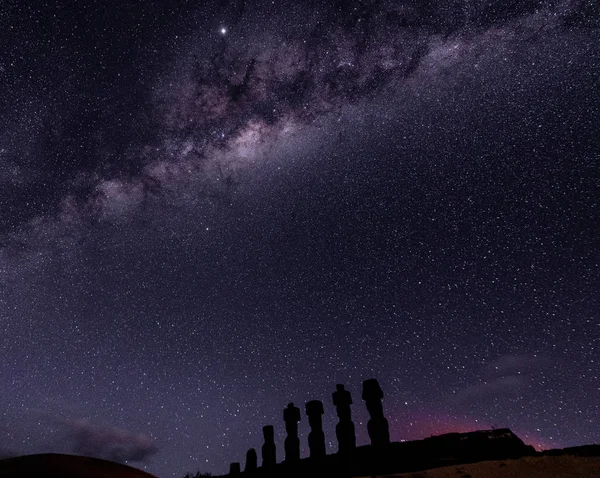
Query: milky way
208, 212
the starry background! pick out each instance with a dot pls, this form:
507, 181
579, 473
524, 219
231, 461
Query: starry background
211, 209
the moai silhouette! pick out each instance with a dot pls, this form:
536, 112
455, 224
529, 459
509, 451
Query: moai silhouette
269, 457
291, 417
251, 461
234, 469
316, 437
344, 430
378, 425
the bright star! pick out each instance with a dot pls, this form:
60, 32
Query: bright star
223, 31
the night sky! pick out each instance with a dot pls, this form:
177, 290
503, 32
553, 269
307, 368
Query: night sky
211, 209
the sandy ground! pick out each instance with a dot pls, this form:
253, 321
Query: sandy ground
565, 466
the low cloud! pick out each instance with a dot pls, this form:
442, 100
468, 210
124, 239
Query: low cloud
508, 364
111, 443
506, 376
503, 386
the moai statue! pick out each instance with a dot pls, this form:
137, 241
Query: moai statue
234, 469
291, 417
251, 461
378, 425
269, 457
344, 430
316, 437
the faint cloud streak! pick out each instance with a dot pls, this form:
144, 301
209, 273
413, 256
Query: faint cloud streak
111, 443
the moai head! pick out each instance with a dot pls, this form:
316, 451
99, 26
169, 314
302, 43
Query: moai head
341, 398
234, 469
269, 433
371, 390
291, 415
314, 410
251, 460
342, 392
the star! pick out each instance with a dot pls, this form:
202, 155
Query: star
223, 31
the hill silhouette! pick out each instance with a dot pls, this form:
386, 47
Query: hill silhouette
53, 465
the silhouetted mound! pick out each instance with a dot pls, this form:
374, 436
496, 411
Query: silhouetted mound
438, 451
66, 466
584, 450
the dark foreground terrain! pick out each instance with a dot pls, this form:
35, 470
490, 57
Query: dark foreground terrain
66, 466
566, 466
